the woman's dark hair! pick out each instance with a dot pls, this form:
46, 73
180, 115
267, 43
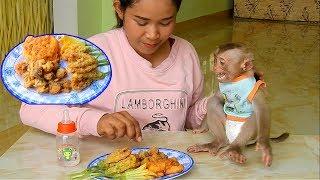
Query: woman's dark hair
127, 3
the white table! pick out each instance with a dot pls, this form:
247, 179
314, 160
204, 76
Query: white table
33, 157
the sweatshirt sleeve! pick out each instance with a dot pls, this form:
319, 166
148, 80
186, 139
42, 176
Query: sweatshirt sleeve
198, 109
46, 117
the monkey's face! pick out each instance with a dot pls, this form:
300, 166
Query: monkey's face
227, 65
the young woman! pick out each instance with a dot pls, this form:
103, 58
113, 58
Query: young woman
156, 80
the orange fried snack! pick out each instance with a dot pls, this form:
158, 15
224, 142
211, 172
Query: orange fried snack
42, 47
129, 162
70, 45
118, 155
158, 163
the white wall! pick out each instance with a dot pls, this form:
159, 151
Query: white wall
65, 17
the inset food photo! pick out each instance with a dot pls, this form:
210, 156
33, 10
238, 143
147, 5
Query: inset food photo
56, 69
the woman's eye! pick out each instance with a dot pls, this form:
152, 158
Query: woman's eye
165, 23
141, 23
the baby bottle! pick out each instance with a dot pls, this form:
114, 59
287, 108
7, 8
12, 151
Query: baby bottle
67, 142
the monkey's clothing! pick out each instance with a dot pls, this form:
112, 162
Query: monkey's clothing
238, 96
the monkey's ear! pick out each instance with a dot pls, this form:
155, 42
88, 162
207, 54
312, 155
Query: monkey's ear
118, 9
247, 64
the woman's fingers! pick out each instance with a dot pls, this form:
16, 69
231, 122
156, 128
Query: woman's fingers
138, 134
109, 132
104, 128
118, 126
129, 125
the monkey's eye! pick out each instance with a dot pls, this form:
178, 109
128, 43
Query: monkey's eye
221, 62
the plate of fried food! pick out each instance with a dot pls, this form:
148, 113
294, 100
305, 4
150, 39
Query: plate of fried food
138, 163
56, 69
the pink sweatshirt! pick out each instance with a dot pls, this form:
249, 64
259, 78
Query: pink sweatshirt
167, 97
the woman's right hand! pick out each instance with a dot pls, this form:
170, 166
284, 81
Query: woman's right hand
119, 124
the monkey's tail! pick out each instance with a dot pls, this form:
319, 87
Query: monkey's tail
278, 139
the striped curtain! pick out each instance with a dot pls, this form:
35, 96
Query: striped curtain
19, 18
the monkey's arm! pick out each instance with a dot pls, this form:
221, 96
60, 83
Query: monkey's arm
214, 107
262, 113
215, 104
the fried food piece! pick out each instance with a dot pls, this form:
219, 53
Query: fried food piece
90, 75
118, 155
66, 86
159, 163
54, 87
49, 66
82, 70
21, 67
80, 84
41, 86
129, 162
61, 73
49, 76
42, 47
153, 150
173, 166
157, 166
70, 45
143, 154
28, 81
80, 59
35, 69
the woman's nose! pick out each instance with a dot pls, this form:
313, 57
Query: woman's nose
152, 33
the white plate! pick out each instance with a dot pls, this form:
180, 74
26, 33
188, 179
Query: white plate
14, 84
183, 158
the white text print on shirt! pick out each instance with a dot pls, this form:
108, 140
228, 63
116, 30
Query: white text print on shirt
161, 110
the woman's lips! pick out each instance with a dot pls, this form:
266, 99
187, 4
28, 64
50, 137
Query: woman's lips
151, 45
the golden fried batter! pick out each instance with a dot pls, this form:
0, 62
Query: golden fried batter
28, 80
61, 73
21, 67
66, 86
79, 85
90, 75
42, 47
118, 155
129, 162
49, 76
158, 163
82, 70
41, 86
54, 87
70, 45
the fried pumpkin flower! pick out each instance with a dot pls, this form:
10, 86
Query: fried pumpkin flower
42, 47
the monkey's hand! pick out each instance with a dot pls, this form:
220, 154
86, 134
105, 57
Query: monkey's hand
264, 146
200, 130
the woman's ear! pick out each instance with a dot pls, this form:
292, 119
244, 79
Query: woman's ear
247, 64
118, 9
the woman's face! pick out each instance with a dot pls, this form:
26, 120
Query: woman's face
148, 24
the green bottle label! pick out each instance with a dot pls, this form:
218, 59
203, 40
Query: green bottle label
67, 153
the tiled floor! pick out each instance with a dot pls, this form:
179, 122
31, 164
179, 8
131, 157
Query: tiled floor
287, 53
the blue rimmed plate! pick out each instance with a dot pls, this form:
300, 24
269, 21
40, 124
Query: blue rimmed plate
183, 158
14, 84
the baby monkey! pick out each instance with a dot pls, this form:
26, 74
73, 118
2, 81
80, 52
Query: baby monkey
245, 114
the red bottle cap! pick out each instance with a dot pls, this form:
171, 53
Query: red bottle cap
66, 128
